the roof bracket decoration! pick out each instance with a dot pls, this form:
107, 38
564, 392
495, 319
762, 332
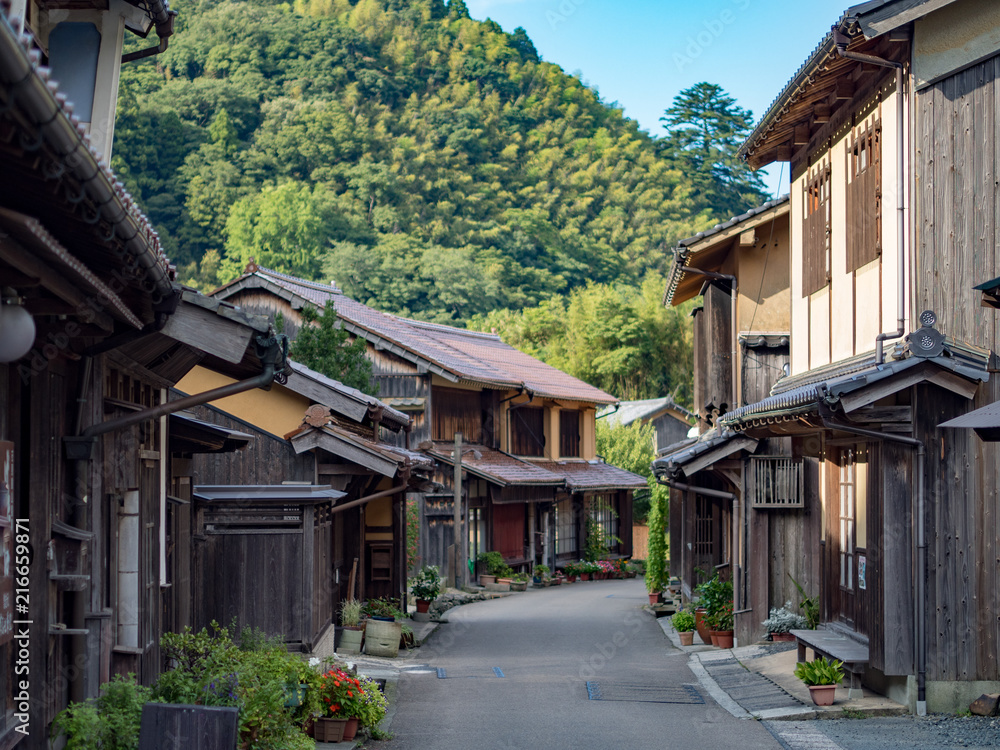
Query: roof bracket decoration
926, 341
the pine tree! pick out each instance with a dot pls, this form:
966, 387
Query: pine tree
324, 346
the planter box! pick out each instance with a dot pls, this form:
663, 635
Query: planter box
329, 730
382, 638
519, 586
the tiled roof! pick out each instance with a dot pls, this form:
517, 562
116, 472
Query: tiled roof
592, 476
456, 353
498, 467
630, 411
710, 446
388, 412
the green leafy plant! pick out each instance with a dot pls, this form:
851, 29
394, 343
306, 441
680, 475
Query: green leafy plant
714, 594
373, 705
383, 607
520, 577
412, 534
541, 571
683, 621
111, 722
493, 563
721, 619
426, 584
350, 613
598, 541
323, 345
341, 693
809, 606
820, 672
656, 558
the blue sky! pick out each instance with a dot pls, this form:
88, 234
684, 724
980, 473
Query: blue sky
642, 53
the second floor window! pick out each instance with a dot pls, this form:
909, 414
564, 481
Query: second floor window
457, 411
816, 229
569, 433
864, 194
527, 431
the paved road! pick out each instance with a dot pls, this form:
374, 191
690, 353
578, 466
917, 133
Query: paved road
547, 645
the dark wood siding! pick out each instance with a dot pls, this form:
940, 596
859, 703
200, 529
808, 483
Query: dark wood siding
527, 431
718, 373
957, 129
700, 346
456, 410
569, 433
816, 229
509, 530
864, 194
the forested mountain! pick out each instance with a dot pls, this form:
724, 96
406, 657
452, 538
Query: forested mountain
430, 163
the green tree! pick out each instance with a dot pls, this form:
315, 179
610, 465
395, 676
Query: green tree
324, 346
705, 129
657, 562
631, 447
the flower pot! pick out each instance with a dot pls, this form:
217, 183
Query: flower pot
507, 581
571, 579
585, 576
295, 695
823, 695
519, 586
701, 626
722, 638
329, 730
485, 578
423, 605
782, 638
654, 598
350, 728
382, 638
687, 637
350, 640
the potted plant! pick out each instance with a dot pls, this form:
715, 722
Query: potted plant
822, 677
350, 630
572, 570
372, 706
382, 631
720, 623
491, 562
341, 694
519, 582
712, 594
781, 620
683, 623
540, 575
426, 586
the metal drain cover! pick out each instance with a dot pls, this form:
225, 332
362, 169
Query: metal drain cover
627, 691
444, 674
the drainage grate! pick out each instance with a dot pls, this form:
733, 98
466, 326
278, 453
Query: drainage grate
625, 691
487, 672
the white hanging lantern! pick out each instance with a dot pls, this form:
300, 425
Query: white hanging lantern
17, 331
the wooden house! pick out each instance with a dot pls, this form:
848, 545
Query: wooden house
306, 433
95, 333
531, 472
726, 514
671, 421
890, 129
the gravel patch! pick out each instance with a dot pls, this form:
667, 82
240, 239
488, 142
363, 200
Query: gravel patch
920, 732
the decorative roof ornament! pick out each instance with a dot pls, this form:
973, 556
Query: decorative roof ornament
926, 341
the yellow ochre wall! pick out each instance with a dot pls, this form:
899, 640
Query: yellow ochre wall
278, 411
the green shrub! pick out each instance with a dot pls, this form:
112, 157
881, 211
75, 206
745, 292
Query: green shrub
656, 560
426, 584
493, 563
373, 705
820, 672
109, 723
682, 621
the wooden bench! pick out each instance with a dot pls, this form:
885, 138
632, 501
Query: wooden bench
835, 645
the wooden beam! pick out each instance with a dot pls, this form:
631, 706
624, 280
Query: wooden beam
801, 135
783, 152
884, 414
342, 469
27, 263
821, 113
843, 91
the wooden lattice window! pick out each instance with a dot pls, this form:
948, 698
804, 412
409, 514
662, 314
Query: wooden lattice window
816, 229
569, 433
864, 195
527, 431
775, 482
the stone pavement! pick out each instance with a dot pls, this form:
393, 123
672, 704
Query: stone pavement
759, 682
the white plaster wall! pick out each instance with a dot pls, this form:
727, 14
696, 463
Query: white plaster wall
800, 306
819, 329
890, 260
841, 311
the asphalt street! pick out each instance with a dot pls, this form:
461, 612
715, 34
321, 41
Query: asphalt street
513, 674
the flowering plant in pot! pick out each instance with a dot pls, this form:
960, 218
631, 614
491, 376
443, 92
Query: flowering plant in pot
426, 585
540, 575
822, 676
342, 695
373, 705
781, 620
683, 623
720, 623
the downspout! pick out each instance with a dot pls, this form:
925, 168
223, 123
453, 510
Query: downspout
841, 41
164, 20
700, 490
733, 291
921, 549
368, 498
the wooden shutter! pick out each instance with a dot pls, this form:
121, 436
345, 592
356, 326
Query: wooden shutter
864, 195
816, 230
569, 433
457, 411
508, 530
527, 428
